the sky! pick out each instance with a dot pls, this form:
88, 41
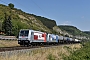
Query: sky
64, 12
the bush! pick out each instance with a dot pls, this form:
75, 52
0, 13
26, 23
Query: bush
51, 57
82, 54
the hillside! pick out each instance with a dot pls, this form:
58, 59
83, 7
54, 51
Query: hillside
23, 20
74, 31
87, 32
47, 22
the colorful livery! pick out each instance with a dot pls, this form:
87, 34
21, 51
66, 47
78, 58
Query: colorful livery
30, 37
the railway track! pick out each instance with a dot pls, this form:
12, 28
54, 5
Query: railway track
4, 49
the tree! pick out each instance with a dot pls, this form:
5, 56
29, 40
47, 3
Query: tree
11, 5
4, 23
0, 26
7, 25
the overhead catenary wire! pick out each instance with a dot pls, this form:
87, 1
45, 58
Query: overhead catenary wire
39, 7
22, 5
27, 7
17, 2
35, 4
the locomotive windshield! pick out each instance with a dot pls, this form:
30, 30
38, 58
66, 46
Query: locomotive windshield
24, 32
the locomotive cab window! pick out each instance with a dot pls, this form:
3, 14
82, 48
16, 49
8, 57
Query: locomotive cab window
24, 32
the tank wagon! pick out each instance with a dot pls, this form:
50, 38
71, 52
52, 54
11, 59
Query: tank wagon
32, 37
60, 39
77, 41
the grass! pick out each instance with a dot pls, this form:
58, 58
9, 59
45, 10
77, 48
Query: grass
82, 54
8, 43
53, 53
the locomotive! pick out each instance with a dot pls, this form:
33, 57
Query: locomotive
32, 37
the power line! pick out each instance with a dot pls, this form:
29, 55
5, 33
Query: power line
35, 4
39, 7
23, 5
17, 2
28, 8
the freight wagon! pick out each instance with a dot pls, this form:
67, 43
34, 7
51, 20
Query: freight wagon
52, 39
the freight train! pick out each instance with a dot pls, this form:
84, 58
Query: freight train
31, 37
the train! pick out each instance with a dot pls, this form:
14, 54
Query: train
29, 37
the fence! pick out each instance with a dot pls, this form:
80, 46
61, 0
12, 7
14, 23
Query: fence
8, 38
